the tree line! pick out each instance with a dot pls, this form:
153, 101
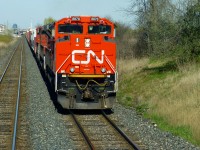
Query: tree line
163, 28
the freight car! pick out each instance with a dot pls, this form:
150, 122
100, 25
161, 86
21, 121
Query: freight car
30, 36
78, 54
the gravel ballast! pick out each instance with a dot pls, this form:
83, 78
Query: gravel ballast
47, 130
148, 134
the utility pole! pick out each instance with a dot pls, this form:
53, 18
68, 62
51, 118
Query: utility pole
31, 25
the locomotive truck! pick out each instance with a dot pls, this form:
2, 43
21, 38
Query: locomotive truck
78, 54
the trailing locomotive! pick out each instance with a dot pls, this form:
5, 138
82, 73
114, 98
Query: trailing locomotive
78, 54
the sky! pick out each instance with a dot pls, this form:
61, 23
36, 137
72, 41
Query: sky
23, 12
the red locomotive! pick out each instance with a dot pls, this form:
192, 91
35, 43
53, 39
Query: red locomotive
78, 54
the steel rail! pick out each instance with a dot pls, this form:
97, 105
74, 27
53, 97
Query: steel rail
8, 63
83, 132
17, 105
121, 132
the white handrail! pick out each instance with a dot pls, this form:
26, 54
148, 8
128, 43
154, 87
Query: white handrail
58, 70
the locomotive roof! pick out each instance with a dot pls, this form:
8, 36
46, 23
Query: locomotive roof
95, 19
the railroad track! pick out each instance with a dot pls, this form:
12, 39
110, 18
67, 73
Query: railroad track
100, 132
8, 58
10, 91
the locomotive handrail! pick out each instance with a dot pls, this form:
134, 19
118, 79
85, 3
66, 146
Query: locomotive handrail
116, 74
59, 69
110, 64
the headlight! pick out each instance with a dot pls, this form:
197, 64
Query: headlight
87, 42
72, 69
103, 70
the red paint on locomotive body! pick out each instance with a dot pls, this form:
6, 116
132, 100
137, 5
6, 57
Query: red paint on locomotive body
87, 52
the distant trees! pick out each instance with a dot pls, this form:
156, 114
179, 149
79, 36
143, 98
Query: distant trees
189, 40
125, 41
155, 22
49, 20
166, 28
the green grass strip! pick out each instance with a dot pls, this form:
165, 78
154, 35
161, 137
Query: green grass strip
6, 38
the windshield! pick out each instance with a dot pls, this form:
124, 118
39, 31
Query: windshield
99, 29
70, 28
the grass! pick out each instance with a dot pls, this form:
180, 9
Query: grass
5, 39
5, 42
181, 130
165, 92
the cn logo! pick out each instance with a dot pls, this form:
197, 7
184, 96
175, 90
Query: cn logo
87, 61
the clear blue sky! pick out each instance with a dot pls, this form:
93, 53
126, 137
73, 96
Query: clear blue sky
22, 12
